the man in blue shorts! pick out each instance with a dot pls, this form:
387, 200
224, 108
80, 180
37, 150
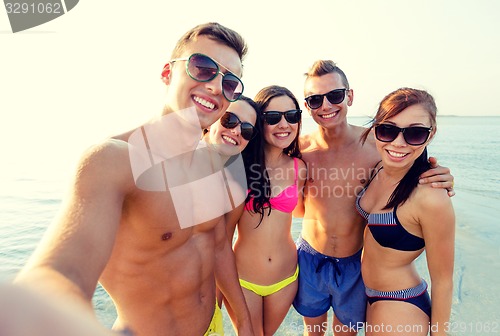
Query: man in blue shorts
339, 165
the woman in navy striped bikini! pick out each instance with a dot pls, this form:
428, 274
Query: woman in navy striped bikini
404, 218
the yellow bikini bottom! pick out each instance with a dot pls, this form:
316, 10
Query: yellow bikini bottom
216, 328
270, 289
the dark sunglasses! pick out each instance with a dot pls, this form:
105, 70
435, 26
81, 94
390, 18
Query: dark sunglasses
274, 117
202, 68
230, 120
414, 135
334, 97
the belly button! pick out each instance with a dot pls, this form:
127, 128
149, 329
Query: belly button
166, 236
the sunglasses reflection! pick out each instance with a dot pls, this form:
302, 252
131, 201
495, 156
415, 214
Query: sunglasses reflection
414, 135
202, 68
336, 96
230, 121
274, 117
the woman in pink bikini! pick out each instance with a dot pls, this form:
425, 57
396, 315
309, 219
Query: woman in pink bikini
266, 255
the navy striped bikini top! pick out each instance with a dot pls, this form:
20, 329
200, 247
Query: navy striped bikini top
388, 231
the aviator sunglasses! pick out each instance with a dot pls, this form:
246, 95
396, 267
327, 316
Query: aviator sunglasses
334, 97
274, 117
414, 135
230, 120
202, 68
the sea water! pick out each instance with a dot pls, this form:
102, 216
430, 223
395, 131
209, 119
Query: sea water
468, 145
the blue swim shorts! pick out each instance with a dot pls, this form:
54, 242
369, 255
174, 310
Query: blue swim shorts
326, 282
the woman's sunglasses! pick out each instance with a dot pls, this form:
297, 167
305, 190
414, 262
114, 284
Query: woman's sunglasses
414, 135
202, 68
334, 97
274, 117
230, 120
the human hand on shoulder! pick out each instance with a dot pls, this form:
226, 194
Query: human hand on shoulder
438, 177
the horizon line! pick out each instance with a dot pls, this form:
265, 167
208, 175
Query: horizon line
441, 115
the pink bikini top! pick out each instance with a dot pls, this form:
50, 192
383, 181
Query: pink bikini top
286, 200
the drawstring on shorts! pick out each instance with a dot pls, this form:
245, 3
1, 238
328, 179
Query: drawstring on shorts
334, 262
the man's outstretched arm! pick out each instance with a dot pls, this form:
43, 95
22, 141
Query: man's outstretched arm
75, 249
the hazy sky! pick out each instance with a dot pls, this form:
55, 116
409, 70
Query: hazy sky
96, 70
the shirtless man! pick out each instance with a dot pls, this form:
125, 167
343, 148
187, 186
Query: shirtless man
123, 223
331, 240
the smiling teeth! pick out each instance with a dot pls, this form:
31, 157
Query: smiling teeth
282, 135
330, 115
228, 139
204, 102
396, 154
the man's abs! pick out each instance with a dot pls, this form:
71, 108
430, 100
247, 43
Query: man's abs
334, 231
